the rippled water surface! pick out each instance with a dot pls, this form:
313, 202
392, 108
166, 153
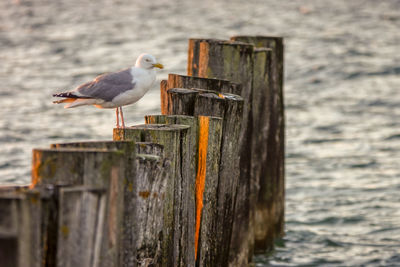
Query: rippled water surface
342, 68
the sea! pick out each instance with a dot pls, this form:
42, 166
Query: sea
341, 92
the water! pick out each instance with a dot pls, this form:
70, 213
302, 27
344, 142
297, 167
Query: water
341, 94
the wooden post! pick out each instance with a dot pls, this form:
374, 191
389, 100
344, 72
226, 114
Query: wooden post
218, 85
207, 133
80, 234
20, 228
259, 139
175, 140
148, 225
182, 99
93, 167
221, 60
207, 180
49, 221
144, 190
229, 107
186, 205
269, 217
182, 81
9, 234
37, 239
232, 61
128, 183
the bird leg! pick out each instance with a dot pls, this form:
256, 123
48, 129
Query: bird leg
122, 117
117, 112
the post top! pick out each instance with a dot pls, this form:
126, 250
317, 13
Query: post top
158, 127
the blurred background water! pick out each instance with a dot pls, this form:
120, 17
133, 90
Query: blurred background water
342, 82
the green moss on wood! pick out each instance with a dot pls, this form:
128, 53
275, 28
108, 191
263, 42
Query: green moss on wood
64, 231
47, 169
105, 168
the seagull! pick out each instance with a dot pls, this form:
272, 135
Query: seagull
114, 90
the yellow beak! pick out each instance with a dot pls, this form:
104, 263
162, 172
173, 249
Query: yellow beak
158, 65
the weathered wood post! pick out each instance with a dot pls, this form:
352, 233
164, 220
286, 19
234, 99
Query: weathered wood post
80, 233
20, 228
230, 108
49, 220
182, 99
207, 132
92, 167
207, 178
186, 205
129, 176
175, 140
269, 219
144, 191
232, 61
183, 81
259, 145
148, 225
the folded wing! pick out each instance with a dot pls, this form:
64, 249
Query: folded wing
105, 87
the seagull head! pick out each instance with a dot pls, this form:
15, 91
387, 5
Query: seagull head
147, 61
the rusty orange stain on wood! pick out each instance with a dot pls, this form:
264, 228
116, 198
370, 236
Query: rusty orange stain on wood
204, 48
35, 169
150, 120
201, 173
144, 194
164, 97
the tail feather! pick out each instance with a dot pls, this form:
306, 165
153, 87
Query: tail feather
73, 100
69, 95
81, 102
65, 100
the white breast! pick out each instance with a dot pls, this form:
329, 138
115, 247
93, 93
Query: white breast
143, 80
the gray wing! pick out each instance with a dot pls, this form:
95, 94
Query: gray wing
107, 86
